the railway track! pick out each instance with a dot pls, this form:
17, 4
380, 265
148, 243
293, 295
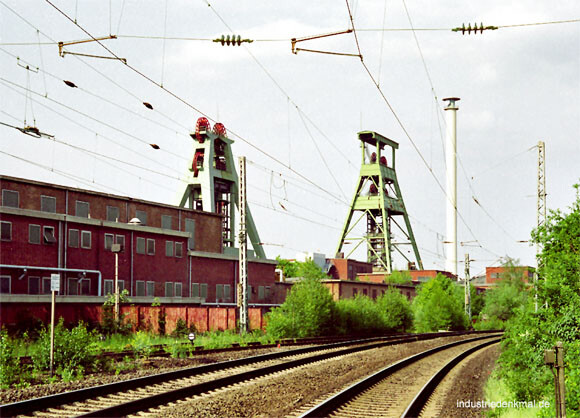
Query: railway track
132, 396
401, 389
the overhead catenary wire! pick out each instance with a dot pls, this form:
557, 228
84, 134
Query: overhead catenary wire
185, 102
400, 123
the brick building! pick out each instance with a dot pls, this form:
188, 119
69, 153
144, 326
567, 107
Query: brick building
173, 253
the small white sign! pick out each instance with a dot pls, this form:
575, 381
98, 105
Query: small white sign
54, 282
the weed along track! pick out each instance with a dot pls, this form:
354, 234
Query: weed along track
403, 388
142, 394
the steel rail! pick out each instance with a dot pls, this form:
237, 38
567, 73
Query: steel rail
336, 401
60, 399
418, 403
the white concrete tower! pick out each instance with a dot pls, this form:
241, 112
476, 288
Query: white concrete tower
451, 186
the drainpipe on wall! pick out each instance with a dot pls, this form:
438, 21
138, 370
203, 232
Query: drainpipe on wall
131, 292
97, 272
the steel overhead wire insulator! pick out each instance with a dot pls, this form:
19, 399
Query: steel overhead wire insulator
473, 29
233, 40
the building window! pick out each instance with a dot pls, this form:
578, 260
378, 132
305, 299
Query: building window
227, 292
365, 292
109, 241
5, 231
82, 209
85, 286
261, 292
73, 238
5, 284
150, 288
179, 249
168, 289
494, 275
195, 290
178, 290
166, 221
86, 239
110, 286
355, 291
190, 227
120, 239
267, 292
150, 246
73, 286
140, 288
48, 204
169, 248
112, 213
34, 234
249, 289
142, 215
48, 235
46, 285
219, 292
10, 198
33, 285
140, 245
203, 290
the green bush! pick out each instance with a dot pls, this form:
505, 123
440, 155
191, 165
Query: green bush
359, 315
529, 332
142, 344
306, 312
9, 364
398, 316
439, 306
72, 349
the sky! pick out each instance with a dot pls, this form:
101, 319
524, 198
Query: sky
296, 116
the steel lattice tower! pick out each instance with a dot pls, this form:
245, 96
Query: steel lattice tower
378, 197
213, 183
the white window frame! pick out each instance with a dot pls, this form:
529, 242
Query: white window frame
149, 282
9, 283
141, 240
150, 240
137, 288
178, 291
78, 234
169, 249
77, 209
170, 286
39, 285
180, 246
192, 293
17, 198
39, 234
83, 233
42, 198
10, 230
52, 230
111, 241
118, 213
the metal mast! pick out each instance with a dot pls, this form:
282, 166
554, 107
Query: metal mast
213, 183
243, 283
467, 289
378, 196
541, 210
451, 189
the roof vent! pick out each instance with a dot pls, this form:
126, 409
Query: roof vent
135, 221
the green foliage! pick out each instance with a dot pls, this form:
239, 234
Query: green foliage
307, 269
178, 348
398, 277
510, 294
182, 330
307, 311
396, 310
142, 344
439, 305
359, 315
73, 350
110, 324
529, 332
477, 301
9, 364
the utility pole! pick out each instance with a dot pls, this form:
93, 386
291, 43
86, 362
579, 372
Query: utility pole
243, 261
467, 289
451, 186
541, 208
116, 248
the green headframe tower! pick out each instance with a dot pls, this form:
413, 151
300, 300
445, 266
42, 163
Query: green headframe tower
378, 200
213, 183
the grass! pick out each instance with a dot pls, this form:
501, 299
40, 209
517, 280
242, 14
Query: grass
497, 391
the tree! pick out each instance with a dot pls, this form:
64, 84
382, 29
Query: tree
398, 277
510, 294
396, 310
306, 312
439, 305
529, 332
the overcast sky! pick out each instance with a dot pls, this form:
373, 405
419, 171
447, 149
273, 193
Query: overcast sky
518, 85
